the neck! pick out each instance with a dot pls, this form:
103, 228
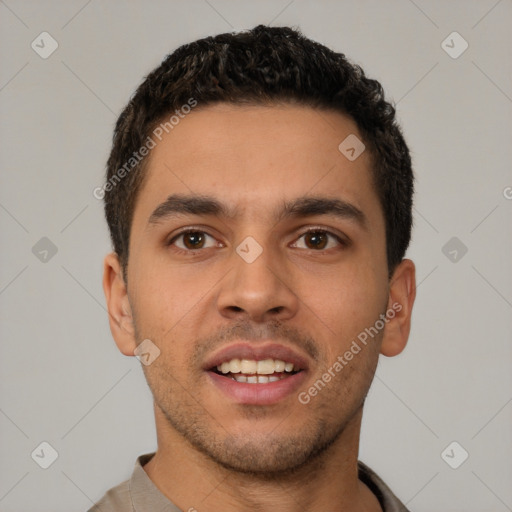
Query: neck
193, 481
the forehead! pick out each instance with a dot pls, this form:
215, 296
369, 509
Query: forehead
254, 157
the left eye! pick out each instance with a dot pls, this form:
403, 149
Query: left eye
190, 240
318, 239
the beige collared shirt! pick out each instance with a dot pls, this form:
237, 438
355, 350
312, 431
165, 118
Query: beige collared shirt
140, 494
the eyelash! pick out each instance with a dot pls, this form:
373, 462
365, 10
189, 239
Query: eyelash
343, 243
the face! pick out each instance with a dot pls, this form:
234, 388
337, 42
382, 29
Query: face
254, 278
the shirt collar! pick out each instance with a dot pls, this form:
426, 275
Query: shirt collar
145, 495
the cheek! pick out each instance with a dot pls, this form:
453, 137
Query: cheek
170, 304
167, 294
347, 293
343, 305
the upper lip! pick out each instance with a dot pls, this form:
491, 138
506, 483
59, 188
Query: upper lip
248, 350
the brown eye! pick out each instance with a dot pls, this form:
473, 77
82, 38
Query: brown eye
318, 240
192, 240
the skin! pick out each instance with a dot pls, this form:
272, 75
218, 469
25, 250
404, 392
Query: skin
214, 454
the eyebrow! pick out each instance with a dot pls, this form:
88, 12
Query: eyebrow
306, 206
180, 204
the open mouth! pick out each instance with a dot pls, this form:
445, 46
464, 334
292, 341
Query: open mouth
250, 371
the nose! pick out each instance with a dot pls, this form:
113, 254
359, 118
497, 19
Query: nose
258, 290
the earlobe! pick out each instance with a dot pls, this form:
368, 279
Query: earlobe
118, 305
402, 293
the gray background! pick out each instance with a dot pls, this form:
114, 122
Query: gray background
63, 380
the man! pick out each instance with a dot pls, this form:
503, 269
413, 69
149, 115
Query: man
259, 196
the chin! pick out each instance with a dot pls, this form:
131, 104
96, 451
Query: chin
265, 455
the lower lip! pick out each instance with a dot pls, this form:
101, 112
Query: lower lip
258, 394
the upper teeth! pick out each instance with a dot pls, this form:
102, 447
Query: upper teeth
251, 367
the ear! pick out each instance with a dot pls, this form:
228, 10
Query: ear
118, 305
402, 292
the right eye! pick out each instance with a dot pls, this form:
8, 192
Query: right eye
192, 239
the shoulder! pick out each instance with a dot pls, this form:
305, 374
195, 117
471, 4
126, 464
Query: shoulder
116, 499
387, 499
